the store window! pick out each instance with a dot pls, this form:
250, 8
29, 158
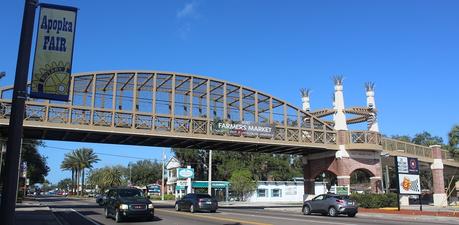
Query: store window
276, 193
261, 193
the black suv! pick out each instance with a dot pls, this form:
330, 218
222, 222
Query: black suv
124, 203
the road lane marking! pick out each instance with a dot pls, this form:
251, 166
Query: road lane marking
85, 217
290, 219
213, 218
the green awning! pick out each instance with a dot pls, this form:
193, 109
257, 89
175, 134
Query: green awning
205, 184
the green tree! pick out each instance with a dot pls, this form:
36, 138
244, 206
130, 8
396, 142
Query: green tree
112, 177
107, 177
198, 159
145, 172
426, 139
242, 183
37, 168
77, 161
65, 184
453, 141
70, 163
404, 138
85, 158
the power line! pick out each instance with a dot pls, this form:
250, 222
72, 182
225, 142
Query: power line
98, 153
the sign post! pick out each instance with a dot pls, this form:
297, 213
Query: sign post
10, 173
408, 181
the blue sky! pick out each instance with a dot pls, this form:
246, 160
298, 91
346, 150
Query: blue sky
408, 48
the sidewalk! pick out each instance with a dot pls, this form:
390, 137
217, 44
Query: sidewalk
31, 212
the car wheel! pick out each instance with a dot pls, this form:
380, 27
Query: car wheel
351, 214
306, 210
177, 207
192, 210
332, 211
213, 211
118, 216
106, 213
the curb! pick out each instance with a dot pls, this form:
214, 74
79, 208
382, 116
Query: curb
409, 212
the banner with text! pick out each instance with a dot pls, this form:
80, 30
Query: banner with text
248, 129
53, 52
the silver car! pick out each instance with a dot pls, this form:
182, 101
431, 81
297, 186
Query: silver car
330, 204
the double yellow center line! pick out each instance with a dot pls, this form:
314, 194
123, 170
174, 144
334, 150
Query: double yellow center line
213, 217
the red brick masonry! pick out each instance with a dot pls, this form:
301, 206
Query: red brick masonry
410, 212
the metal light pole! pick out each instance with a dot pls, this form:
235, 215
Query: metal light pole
209, 187
162, 176
10, 178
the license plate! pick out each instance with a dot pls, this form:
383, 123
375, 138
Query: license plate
209, 202
138, 207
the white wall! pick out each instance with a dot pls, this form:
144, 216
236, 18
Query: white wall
290, 192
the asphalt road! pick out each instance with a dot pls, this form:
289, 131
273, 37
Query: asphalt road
87, 212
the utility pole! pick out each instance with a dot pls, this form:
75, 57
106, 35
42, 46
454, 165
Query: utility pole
15, 130
130, 174
162, 175
209, 187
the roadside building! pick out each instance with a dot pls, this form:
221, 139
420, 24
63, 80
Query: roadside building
277, 191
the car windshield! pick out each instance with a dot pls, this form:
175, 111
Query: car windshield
130, 193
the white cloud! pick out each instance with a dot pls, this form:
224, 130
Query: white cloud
185, 18
189, 10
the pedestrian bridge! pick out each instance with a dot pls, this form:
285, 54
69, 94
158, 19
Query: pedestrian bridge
154, 108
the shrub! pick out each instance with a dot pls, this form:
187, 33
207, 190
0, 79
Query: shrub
166, 197
375, 200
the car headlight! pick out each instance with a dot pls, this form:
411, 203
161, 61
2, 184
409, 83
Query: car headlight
124, 206
150, 206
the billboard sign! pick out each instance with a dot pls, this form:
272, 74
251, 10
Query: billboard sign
52, 64
248, 129
413, 166
184, 173
409, 184
408, 175
402, 164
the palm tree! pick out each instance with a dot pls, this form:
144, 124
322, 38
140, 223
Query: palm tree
77, 161
85, 158
112, 177
70, 163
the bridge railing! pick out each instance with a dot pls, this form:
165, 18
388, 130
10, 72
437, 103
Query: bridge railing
410, 148
364, 137
97, 117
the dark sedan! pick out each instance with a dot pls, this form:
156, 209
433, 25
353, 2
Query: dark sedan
123, 203
331, 204
197, 202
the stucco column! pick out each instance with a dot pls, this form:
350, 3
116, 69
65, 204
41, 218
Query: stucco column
439, 196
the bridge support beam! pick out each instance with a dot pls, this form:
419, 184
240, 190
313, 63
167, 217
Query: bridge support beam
439, 196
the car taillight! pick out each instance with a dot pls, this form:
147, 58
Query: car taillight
340, 201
